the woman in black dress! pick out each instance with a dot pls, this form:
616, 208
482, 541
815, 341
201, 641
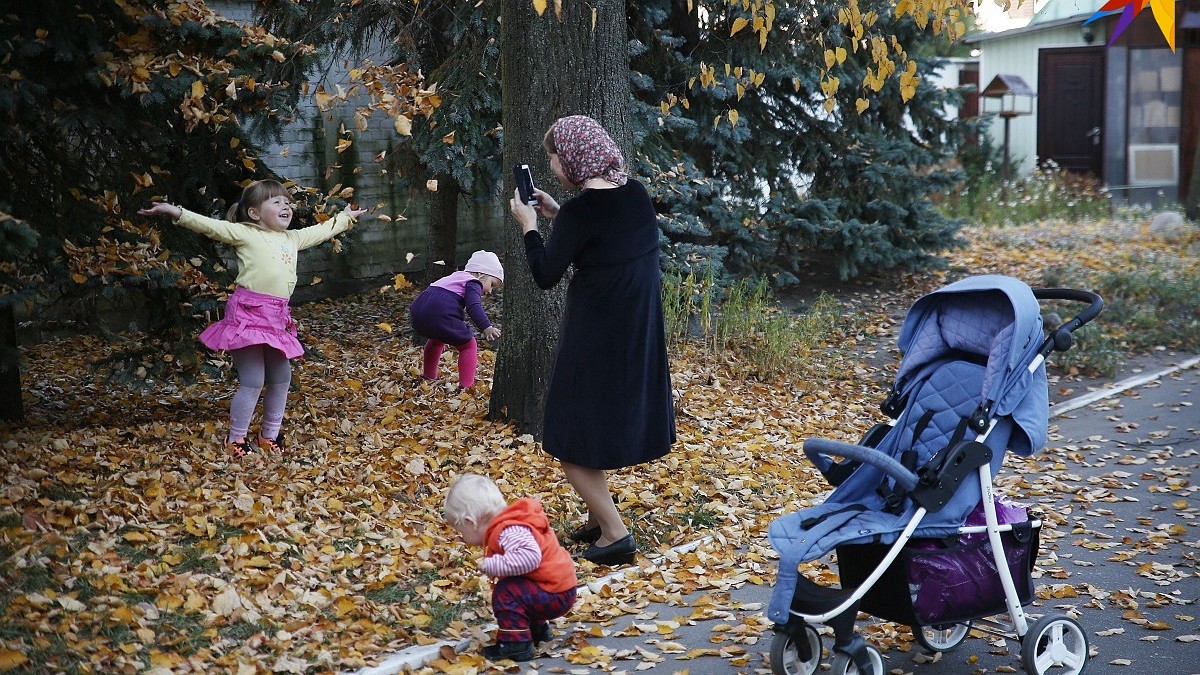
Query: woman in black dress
608, 403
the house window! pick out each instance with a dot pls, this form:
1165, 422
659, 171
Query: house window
1155, 107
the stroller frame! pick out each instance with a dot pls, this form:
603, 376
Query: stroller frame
1054, 640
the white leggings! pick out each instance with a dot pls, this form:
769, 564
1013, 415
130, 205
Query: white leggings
258, 366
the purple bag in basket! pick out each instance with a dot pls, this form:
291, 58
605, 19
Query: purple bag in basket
959, 581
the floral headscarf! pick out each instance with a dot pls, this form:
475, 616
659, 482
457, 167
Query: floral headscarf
585, 150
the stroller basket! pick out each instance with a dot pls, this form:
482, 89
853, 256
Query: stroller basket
945, 580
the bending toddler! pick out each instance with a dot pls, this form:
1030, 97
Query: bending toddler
439, 315
535, 576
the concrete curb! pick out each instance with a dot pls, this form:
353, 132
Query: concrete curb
1128, 383
419, 657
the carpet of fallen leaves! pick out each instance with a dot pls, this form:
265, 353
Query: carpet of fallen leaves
130, 542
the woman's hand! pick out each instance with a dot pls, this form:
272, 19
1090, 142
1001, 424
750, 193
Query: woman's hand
546, 206
162, 209
491, 332
524, 214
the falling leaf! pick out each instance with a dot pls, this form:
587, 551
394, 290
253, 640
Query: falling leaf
403, 125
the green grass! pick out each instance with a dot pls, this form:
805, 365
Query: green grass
744, 320
134, 597
241, 631
54, 654
1047, 193
1149, 302
196, 559
392, 593
185, 632
60, 493
134, 553
32, 579
701, 517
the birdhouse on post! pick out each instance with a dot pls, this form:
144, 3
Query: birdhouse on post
1007, 96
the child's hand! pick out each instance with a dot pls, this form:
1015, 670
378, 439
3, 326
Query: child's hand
161, 209
353, 212
491, 332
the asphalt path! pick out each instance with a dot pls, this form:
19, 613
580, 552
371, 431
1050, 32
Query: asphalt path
1120, 554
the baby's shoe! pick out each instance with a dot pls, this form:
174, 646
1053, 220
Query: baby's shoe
269, 445
237, 449
513, 651
541, 632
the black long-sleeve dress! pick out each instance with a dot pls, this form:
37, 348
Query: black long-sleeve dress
608, 404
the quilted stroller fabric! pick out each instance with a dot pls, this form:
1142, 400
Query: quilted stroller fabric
966, 351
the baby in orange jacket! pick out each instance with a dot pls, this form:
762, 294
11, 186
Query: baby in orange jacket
535, 575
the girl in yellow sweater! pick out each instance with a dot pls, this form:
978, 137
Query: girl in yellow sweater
257, 329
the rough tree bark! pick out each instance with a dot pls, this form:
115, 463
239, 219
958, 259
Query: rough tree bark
11, 408
576, 63
1192, 199
443, 229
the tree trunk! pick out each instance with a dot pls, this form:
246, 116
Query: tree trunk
1191, 200
443, 229
576, 63
11, 408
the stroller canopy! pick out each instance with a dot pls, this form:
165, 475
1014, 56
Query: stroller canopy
998, 319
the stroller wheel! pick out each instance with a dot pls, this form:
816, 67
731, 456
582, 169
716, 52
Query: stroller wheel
785, 654
844, 665
1054, 644
941, 638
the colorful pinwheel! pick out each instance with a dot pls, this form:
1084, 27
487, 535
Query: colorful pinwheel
1163, 10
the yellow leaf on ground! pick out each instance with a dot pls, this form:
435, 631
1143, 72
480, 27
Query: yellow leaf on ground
11, 658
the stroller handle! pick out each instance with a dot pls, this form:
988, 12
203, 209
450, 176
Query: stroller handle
1060, 337
819, 451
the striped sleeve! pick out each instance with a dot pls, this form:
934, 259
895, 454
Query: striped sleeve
521, 554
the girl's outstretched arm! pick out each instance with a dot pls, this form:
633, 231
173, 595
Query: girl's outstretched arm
161, 209
312, 235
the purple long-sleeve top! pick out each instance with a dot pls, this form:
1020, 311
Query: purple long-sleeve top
470, 289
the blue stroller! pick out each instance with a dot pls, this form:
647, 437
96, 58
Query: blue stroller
920, 537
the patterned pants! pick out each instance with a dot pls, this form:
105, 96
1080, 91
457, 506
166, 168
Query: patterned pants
520, 603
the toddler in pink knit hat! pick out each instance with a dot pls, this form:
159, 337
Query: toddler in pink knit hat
439, 314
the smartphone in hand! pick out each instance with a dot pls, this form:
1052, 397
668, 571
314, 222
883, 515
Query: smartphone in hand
524, 180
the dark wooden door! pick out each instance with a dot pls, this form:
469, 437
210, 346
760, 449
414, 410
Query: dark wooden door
1071, 108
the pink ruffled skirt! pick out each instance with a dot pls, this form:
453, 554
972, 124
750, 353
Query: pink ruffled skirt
254, 319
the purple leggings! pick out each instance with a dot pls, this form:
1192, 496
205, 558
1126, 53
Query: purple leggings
259, 366
519, 603
468, 361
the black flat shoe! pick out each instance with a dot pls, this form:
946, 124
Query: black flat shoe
620, 552
584, 534
513, 651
